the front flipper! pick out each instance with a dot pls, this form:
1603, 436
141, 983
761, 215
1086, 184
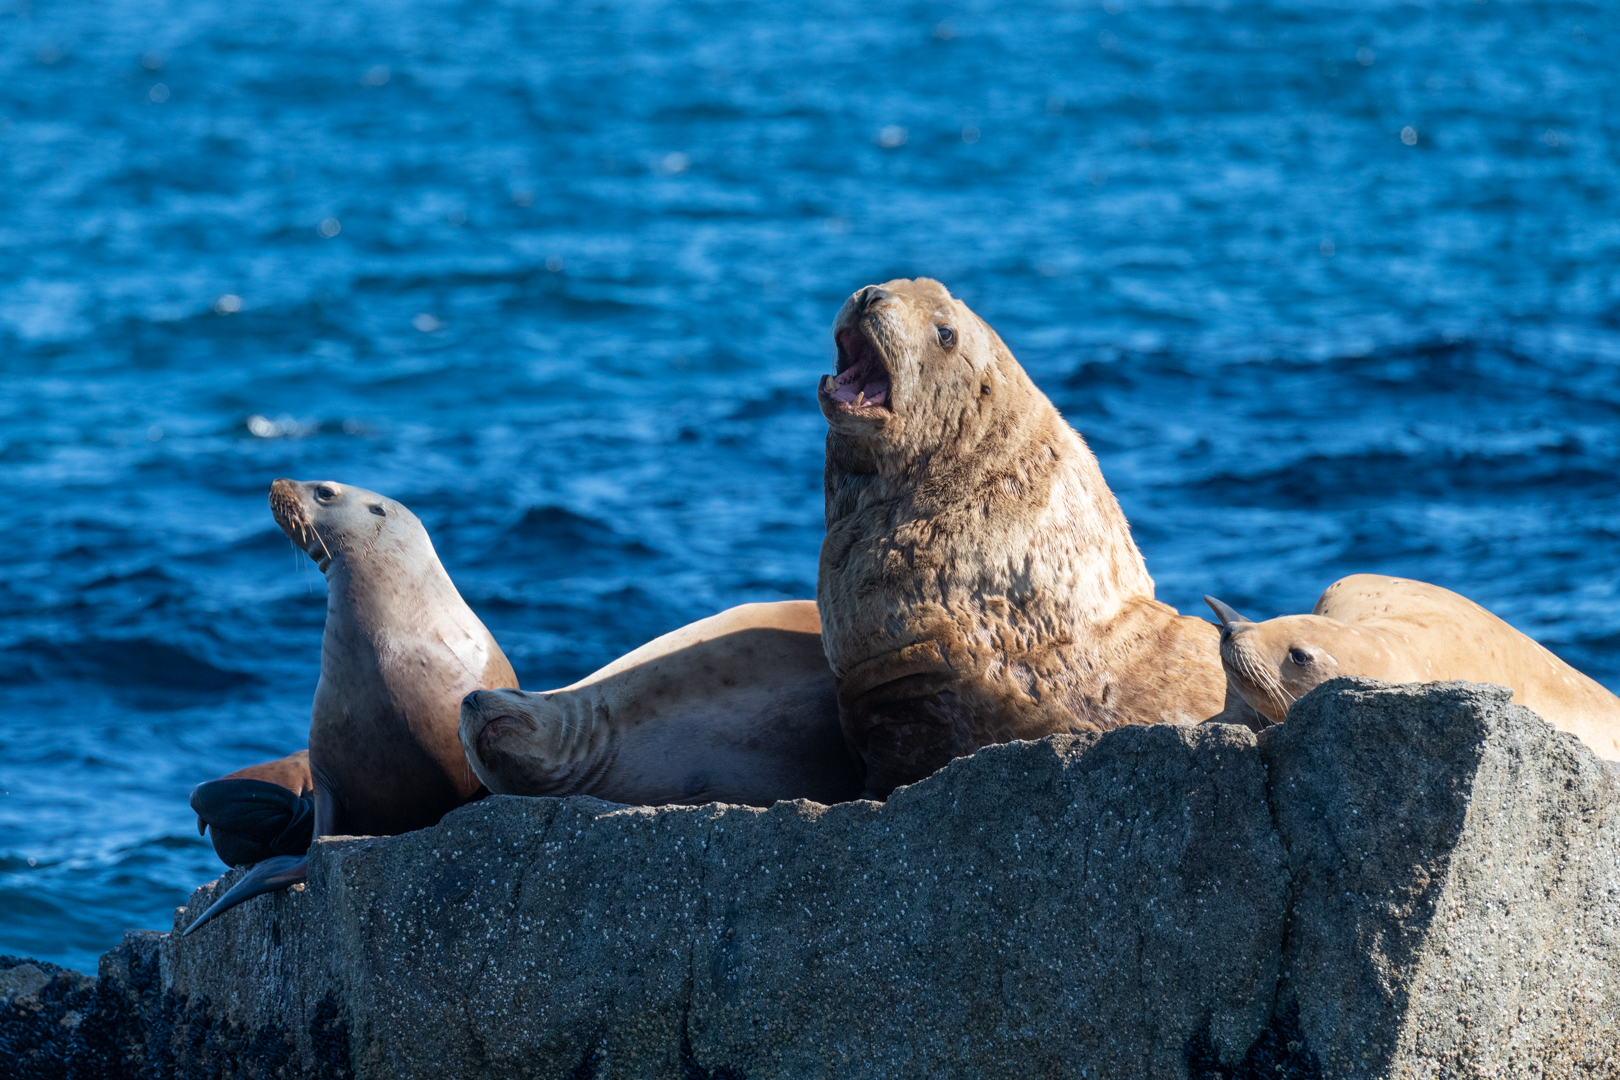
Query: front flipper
268, 876
898, 712
253, 820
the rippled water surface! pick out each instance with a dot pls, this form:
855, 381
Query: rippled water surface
1329, 288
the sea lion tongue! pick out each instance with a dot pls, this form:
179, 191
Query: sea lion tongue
865, 379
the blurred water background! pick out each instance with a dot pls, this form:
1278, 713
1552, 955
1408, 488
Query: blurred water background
1328, 287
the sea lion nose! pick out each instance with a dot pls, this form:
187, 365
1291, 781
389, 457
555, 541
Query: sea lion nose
869, 296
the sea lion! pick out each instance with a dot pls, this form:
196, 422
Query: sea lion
1405, 631
400, 650
260, 812
739, 707
978, 581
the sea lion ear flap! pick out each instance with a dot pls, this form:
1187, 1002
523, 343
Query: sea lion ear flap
1225, 612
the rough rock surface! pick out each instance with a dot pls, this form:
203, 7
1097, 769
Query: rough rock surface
1456, 884
1397, 882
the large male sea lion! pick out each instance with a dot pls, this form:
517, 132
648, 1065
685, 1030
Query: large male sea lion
1407, 631
400, 650
739, 707
978, 581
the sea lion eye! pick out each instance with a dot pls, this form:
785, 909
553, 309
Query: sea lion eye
376, 508
1299, 657
326, 493
947, 336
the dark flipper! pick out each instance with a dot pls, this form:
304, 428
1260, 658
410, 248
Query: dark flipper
268, 876
253, 820
1225, 612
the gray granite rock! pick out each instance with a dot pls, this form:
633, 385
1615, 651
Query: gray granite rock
1397, 882
1456, 884
1117, 892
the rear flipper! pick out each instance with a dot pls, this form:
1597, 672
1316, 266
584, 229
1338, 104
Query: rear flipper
253, 820
268, 876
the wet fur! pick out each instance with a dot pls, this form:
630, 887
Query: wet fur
978, 581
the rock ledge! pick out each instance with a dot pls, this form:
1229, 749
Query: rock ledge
1400, 881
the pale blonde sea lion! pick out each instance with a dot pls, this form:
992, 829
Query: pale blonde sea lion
400, 650
739, 707
1406, 631
978, 580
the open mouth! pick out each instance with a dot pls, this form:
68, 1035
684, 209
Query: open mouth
862, 381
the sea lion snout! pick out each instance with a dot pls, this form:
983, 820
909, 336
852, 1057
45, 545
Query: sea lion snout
861, 386
1275, 663
889, 338
868, 296
524, 744
287, 506
325, 518
1254, 675
487, 714
488, 720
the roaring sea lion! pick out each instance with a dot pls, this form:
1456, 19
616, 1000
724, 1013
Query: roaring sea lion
1406, 631
978, 581
739, 707
400, 650
260, 812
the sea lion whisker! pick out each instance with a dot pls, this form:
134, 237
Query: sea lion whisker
378, 652
324, 549
1267, 679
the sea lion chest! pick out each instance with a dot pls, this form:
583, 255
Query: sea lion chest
382, 738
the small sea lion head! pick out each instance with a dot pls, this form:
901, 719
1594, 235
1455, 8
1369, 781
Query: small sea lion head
521, 743
912, 361
1277, 662
327, 519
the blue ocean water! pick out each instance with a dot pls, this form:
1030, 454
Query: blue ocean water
1328, 287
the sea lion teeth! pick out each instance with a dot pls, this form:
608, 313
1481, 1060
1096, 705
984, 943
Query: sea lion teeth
1407, 631
996, 498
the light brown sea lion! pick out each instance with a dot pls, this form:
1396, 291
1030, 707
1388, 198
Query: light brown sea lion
1406, 631
739, 707
259, 812
978, 580
400, 650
